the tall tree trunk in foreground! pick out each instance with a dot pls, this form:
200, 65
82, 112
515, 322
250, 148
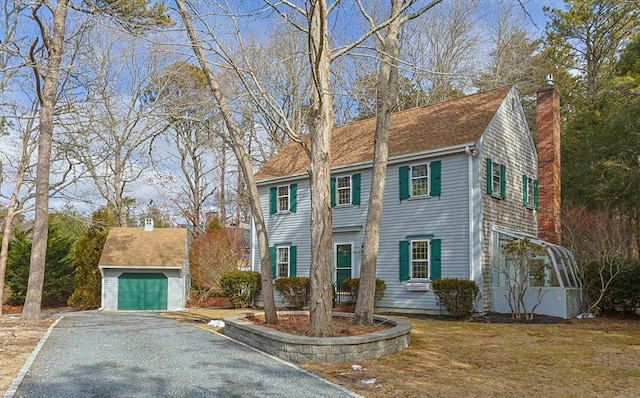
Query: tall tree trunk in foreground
55, 46
385, 98
244, 162
321, 126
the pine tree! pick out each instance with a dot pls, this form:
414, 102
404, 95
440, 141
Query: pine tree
87, 279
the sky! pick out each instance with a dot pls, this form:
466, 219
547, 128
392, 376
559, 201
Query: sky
533, 7
535, 10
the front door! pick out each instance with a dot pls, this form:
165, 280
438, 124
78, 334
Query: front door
343, 263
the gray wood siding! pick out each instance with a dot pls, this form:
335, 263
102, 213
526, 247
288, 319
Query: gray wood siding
508, 140
289, 228
175, 286
445, 216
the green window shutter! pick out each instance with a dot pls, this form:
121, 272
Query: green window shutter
273, 200
404, 260
293, 197
489, 177
525, 193
535, 194
355, 188
436, 268
435, 178
333, 192
274, 260
404, 182
503, 181
293, 261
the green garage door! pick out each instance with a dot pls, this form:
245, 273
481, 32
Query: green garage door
142, 292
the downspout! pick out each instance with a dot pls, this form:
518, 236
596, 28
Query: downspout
470, 155
101, 289
252, 255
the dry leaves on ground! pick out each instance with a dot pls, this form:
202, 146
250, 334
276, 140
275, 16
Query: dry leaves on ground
17, 340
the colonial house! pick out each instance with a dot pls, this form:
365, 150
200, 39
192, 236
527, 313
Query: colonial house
145, 268
464, 179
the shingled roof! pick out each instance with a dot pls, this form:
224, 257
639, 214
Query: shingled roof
135, 247
445, 124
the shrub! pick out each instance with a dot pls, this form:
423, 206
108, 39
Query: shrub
241, 287
59, 266
622, 294
218, 251
351, 286
294, 290
458, 295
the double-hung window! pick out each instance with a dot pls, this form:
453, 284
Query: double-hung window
282, 199
420, 258
345, 190
283, 260
420, 180
496, 179
529, 192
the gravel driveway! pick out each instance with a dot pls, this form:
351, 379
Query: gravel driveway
94, 354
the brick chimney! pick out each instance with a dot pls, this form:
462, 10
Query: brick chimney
548, 128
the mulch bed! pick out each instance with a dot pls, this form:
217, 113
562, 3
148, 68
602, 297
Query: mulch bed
11, 309
493, 317
210, 302
299, 325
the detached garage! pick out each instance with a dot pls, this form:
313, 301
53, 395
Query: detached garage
145, 269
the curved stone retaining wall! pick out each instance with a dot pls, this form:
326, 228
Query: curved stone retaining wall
320, 349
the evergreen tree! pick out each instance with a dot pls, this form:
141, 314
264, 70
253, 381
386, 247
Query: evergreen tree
58, 278
601, 167
87, 279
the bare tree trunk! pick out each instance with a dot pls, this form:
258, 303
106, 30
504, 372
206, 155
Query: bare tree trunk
55, 46
386, 95
244, 162
16, 205
4, 251
223, 177
321, 126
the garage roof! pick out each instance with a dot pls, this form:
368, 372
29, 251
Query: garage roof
135, 247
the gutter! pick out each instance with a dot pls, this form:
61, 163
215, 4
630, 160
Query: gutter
369, 163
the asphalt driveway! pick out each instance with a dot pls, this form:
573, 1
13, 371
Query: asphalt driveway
92, 354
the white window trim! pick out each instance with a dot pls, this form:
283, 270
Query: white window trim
411, 277
428, 176
278, 261
496, 193
530, 192
337, 193
278, 196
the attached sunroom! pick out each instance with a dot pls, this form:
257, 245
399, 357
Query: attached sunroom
546, 274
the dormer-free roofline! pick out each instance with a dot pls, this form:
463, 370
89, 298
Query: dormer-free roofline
455, 123
464, 148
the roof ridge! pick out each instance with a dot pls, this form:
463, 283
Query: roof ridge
465, 96
443, 124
